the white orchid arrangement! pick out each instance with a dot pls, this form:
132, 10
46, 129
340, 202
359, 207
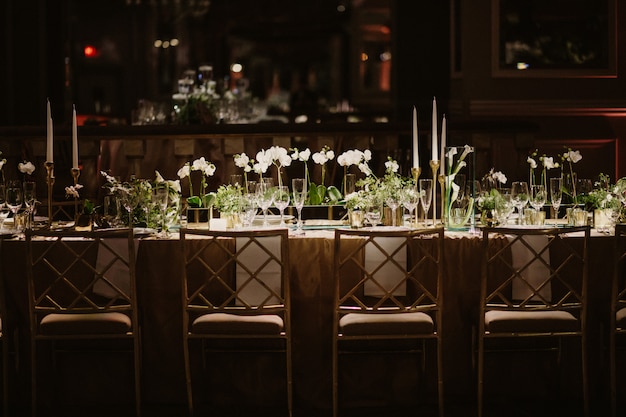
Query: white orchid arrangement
26, 167
207, 170
318, 193
244, 162
277, 156
322, 157
3, 162
547, 163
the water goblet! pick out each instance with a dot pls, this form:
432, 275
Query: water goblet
264, 197
410, 199
556, 194
299, 188
519, 197
281, 201
426, 196
372, 214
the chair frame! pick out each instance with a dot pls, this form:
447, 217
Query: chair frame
280, 305
42, 303
349, 300
4, 340
618, 301
498, 300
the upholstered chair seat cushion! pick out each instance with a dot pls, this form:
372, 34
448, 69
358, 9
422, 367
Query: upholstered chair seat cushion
386, 324
530, 321
88, 323
620, 318
223, 323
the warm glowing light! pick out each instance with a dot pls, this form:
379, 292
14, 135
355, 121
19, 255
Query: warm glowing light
385, 56
158, 43
522, 65
364, 57
236, 68
174, 42
341, 8
166, 44
90, 51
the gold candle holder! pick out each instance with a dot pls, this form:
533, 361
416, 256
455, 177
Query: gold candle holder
50, 181
75, 175
416, 172
434, 166
444, 214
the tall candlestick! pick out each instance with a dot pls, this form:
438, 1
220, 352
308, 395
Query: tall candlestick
416, 157
74, 140
49, 140
443, 146
435, 157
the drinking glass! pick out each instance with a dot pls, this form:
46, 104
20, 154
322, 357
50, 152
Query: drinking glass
410, 199
111, 210
372, 213
519, 197
556, 194
281, 201
161, 197
504, 206
538, 196
299, 188
249, 209
14, 200
426, 196
264, 198
4, 209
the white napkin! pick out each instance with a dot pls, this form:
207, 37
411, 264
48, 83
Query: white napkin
118, 273
389, 275
252, 257
534, 274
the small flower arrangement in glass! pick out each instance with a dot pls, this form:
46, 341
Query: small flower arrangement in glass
453, 190
318, 193
135, 196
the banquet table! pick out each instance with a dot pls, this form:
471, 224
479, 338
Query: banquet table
159, 266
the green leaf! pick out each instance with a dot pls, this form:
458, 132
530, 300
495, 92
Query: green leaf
334, 194
194, 201
209, 199
321, 192
314, 197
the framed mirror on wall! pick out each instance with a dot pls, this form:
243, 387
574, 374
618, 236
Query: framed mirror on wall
554, 38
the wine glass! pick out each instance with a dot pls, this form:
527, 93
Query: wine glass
14, 200
111, 210
299, 187
519, 197
129, 201
556, 194
410, 199
161, 198
264, 198
281, 201
538, 196
426, 195
4, 209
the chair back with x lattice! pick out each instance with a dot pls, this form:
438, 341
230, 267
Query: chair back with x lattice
533, 284
81, 286
236, 287
387, 289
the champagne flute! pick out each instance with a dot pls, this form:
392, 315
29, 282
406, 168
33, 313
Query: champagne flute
30, 199
281, 201
426, 196
299, 187
264, 196
556, 194
519, 197
393, 203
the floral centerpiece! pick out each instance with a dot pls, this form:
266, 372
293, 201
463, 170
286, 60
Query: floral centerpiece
135, 196
3, 162
318, 193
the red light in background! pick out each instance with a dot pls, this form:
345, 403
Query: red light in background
90, 51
